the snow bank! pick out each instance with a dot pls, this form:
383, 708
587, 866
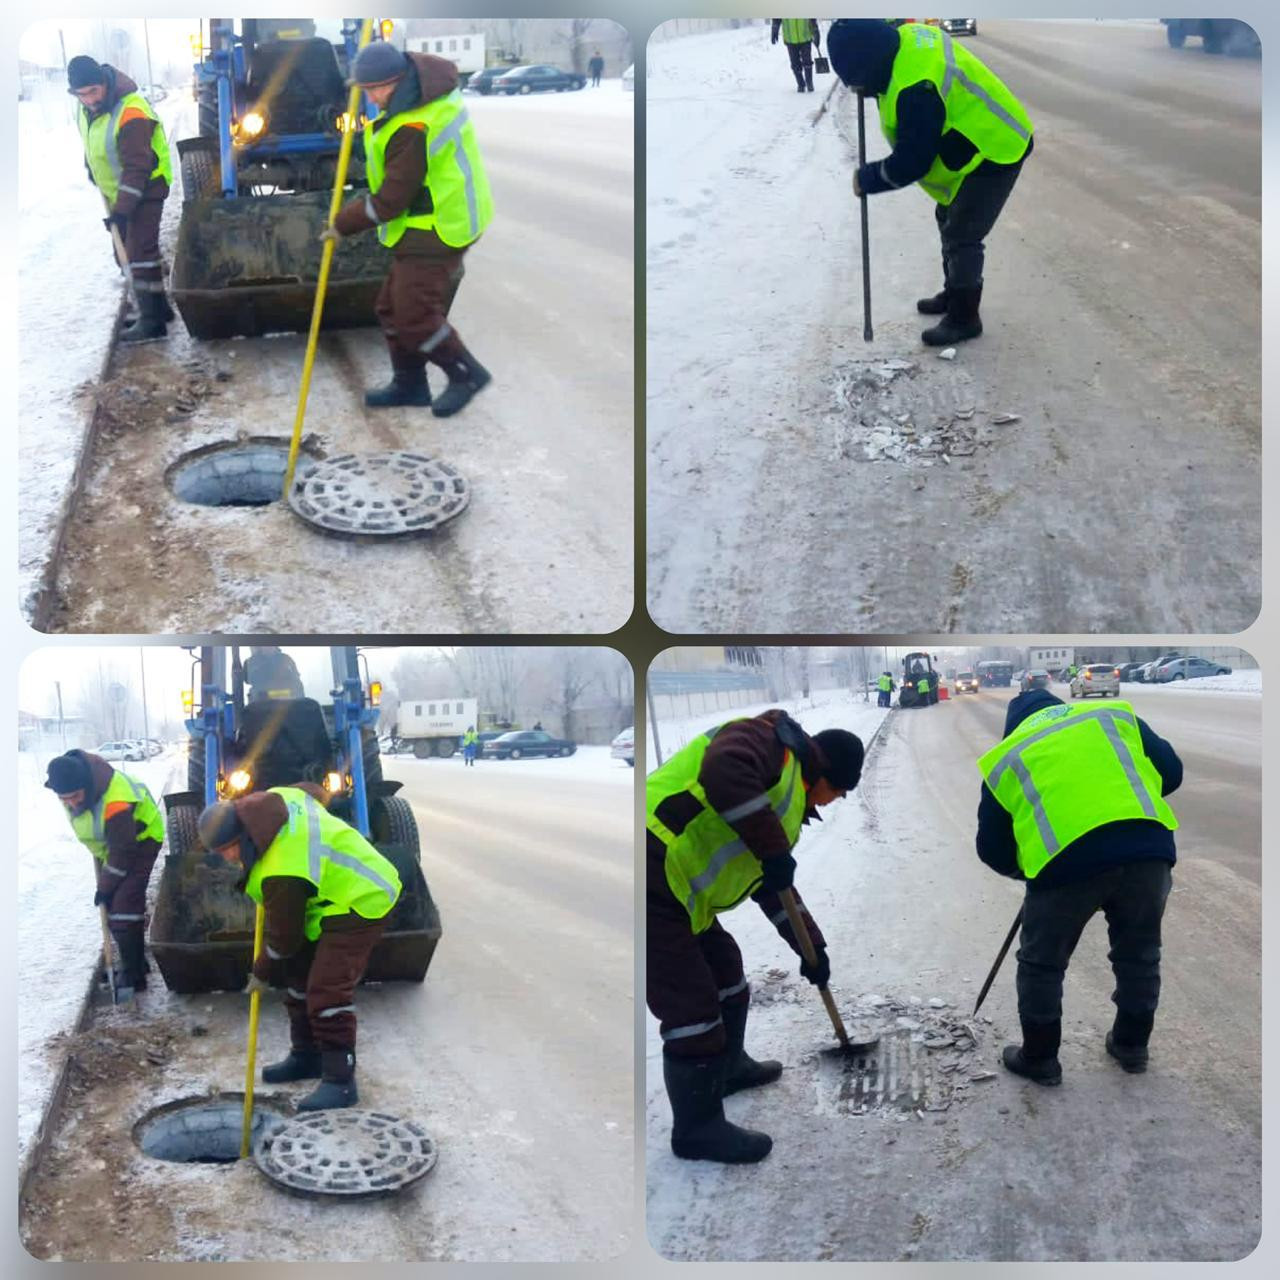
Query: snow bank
590, 764
1238, 682
608, 100
59, 937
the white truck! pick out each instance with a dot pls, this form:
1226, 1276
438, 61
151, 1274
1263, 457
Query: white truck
465, 51
433, 726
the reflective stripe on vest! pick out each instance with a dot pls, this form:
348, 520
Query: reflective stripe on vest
91, 825
462, 205
1059, 785
796, 31
100, 137
708, 865
350, 875
976, 101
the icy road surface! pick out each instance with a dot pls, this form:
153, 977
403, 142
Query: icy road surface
1165, 1165
546, 545
1123, 329
515, 1054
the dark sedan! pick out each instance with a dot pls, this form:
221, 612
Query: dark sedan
527, 742
482, 81
538, 78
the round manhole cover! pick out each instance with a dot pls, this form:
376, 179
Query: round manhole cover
346, 1153
379, 494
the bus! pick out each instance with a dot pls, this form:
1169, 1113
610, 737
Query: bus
995, 674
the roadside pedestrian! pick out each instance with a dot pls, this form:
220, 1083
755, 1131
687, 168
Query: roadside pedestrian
271, 674
956, 130
885, 687
1073, 803
430, 202
596, 68
126, 155
326, 893
723, 816
470, 744
798, 34
115, 818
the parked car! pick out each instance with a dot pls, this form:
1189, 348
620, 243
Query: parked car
966, 682
1127, 670
629, 79
1187, 669
1149, 669
1034, 678
538, 78
526, 742
125, 750
959, 26
482, 81
1097, 678
623, 747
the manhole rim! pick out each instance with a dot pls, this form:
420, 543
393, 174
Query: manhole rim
272, 1106
308, 453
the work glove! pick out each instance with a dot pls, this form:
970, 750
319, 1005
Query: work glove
255, 983
332, 233
116, 220
779, 872
820, 972
103, 898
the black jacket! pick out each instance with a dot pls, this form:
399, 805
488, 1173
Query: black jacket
1133, 840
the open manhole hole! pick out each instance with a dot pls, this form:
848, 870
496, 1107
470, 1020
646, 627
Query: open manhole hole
346, 1153
202, 1130
379, 494
243, 473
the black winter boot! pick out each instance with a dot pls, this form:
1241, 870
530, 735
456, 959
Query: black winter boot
743, 1071
961, 321
935, 306
150, 326
301, 1064
699, 1130
133, 960
1127, 1040
408, 385
467, 376
337, 1086
1036, 1058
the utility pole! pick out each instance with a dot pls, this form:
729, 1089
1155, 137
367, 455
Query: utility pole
57, 684
142, 664
151, 84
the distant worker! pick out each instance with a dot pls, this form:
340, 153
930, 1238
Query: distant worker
798, 34
538, 726
327, 893
885, 686
724, 814
429, 200
115, 818
955, 129
127, 156
1073, 803
470, 745
271, 673
596, 68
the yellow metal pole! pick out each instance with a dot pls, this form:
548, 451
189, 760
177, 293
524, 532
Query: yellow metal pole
326, 257
254, 1001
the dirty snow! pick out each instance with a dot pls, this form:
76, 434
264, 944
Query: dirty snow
59, 937
1240, 682
609, 99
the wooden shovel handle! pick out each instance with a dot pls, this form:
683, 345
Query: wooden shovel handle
798, 927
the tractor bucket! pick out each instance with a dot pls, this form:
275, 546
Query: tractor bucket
202, 926
248, 266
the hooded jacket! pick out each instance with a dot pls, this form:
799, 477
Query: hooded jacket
137, 155
120, 827
427, 79
1114, 843
862, 53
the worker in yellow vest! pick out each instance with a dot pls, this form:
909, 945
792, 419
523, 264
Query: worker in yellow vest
1073, 803
116, 819
430, 202
327, 894
127, 158
798, 34
955, 129
470, 745
723, 815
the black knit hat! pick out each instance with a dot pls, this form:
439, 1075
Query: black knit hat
377, 63
843, 753
83, 71
69, 773
219, 824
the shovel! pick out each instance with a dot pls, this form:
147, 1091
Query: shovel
867, 335
108, 964
255, 997
796, 920
995, 968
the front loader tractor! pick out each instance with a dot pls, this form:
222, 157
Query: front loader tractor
202, 928
919, 687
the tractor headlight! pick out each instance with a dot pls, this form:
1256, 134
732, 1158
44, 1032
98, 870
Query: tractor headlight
239, 780
252, 124
333, 782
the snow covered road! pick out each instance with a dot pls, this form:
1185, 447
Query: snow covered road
1110, 1166
1125, 496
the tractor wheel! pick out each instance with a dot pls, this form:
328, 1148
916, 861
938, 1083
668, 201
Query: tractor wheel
195, 765
181, 831
201, 175
402, 826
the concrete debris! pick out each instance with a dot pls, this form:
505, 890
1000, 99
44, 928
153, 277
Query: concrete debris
983, 1075
936, 1002
947, 353
1003, 419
